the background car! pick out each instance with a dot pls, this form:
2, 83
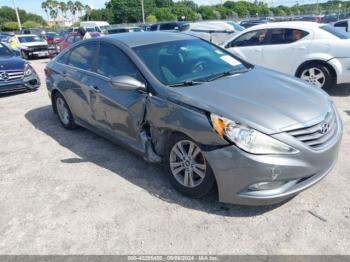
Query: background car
343, 25
216, 32
32, 46
170, 26
317, 53
15, 73
124, 29
71, 38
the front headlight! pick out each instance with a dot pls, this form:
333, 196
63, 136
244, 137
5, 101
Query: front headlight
248, 139
28, 70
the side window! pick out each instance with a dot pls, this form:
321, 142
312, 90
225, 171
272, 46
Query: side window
83, 55
251, 38
153, 28
63, 58
70, 39
341, 24
169, 26
285, 36
113, 62
76, 38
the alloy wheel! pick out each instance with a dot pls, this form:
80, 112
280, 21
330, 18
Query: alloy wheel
187, 163
62, 110
314, 76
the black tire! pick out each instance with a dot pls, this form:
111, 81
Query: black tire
24, 55
329, 78
70, 124
205, 187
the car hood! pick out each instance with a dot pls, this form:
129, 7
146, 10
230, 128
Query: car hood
265, 100
33, 44
11, 63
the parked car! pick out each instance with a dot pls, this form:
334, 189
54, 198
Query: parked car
343, 25
100, 26
33, 31
216, 32
250, 23
170, 26
52, 39
4, 38
213, 119
32, 46
124, 29
16, 74
72, 38
317, 53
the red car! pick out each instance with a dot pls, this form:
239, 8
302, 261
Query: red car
71, 38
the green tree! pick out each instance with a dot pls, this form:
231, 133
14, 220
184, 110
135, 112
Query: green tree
164, 14
30, 24
125, 11
207, 12
10, 26
151, 19
184, 11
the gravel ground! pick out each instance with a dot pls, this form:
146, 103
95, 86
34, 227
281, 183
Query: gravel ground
72, 192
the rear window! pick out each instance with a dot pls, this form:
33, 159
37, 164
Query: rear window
335, 31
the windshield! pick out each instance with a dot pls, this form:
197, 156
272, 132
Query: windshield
90, 29
236, 26
28, 39
51, 35
186, 60
4, 51
105, 27
336, 31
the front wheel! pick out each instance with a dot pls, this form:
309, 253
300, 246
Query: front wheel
186, 167
317, 74
63, 112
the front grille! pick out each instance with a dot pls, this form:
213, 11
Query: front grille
319, 134
38, 48
11, 75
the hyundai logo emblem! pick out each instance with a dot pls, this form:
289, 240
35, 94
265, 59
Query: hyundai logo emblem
4, 76
325, 128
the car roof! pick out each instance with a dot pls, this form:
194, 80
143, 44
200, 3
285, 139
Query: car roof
292, 24
147, 38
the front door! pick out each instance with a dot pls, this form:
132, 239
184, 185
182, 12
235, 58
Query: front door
248, 46
118, 112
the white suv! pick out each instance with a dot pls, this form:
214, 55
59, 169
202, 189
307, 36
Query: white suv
317, 53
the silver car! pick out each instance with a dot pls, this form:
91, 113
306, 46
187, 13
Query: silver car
213, 120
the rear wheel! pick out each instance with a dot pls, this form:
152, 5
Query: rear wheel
317, 74
63, 112
186, 167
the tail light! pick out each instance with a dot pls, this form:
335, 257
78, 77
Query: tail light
46, 71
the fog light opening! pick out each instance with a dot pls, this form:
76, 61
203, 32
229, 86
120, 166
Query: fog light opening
266, 185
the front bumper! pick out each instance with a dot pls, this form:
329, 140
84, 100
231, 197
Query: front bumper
235, 171
27, 83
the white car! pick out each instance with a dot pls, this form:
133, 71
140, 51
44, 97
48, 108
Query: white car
32, 46
317, 53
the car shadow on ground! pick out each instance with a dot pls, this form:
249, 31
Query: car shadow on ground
339, 90
95, 149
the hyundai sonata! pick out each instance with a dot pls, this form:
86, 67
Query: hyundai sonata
212, 119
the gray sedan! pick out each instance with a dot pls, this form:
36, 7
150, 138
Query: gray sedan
213, 120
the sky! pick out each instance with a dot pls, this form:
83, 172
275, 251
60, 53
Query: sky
34, 6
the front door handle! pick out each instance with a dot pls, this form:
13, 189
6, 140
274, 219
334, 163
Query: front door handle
95, 88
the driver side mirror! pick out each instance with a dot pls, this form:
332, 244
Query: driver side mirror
127, 83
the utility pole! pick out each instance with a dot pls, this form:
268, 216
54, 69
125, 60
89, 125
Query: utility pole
143, 12
18, 20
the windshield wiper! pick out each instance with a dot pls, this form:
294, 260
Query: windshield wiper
226, 73
186, 83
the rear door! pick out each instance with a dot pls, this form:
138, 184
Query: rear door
119, 112
248, 46
79, 77
285, 49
